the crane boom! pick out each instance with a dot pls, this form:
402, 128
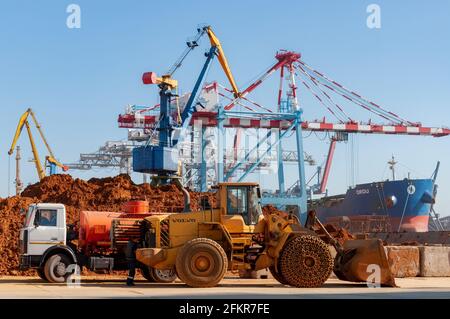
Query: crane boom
41, 133
223, 60
50, 159
19, 128
36, 160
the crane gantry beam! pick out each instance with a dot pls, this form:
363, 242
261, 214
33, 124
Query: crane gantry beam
262, 120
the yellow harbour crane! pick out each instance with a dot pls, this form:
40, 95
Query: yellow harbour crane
50, 160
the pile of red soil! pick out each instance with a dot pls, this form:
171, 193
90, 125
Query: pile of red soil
269, 210
340, 234
97, 194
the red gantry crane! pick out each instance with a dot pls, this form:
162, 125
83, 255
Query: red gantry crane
315, 82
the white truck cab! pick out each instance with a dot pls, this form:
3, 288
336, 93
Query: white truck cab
45, 226
42, 241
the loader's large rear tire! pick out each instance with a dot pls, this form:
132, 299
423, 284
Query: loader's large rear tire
305, 261
201, 262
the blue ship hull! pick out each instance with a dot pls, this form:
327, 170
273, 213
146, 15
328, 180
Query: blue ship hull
405, 203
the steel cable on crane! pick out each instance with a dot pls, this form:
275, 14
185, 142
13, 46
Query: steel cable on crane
343, 91
362, 105
252, 80
363, 102
373, 106
239, 103
321, 101
191, 45
344, 95
318, 98
321, 139
244, 98
328, 97
290, 134
303, 136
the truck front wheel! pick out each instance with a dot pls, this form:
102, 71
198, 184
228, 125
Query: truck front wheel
55, 268
41, 273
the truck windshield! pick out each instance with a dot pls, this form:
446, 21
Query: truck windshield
27, 221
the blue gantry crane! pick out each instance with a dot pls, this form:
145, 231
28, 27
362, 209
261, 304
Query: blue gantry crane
161, 160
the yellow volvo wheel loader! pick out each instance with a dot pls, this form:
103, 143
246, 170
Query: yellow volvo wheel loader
201, 246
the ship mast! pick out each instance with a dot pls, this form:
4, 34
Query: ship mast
392, 164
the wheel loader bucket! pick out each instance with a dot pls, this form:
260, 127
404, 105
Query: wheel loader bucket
364, 260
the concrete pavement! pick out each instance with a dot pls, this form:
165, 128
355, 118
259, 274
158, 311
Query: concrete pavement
231, 287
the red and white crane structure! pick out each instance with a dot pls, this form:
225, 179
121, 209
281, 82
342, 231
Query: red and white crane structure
315, 82
329, 93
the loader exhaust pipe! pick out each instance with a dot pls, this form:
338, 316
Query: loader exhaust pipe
187, 200
186, 195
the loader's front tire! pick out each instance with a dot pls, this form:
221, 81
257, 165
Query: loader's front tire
277, 275
305, 261
201, 262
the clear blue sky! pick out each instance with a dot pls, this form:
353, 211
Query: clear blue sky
79, 80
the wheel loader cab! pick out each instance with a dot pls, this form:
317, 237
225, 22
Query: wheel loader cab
240, 204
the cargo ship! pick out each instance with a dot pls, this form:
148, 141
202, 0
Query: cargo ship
385, 206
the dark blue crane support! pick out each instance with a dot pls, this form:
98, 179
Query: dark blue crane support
190, 106
163, 158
